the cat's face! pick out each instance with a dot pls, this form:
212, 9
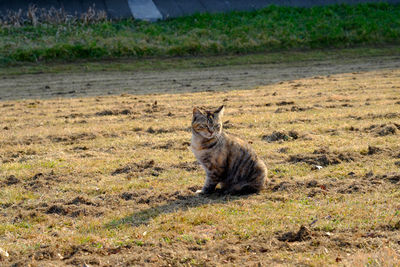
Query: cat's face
207, 123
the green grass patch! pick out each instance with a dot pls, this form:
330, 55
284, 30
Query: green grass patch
270, 29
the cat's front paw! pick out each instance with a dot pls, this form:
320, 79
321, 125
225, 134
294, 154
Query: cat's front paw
199, 192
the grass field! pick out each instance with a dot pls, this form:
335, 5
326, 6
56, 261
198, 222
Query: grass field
270, 29
110, 180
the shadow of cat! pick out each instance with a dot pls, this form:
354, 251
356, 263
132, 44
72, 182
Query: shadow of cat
182, 203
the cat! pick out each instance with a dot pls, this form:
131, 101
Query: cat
227, 160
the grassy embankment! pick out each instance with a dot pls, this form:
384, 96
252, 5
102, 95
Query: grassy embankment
271, 29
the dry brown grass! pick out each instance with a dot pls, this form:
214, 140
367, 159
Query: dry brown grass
35, 16
109, 181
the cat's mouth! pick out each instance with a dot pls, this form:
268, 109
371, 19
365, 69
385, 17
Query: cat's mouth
207, 134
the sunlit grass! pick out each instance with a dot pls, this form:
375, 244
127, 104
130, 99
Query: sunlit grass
69, 195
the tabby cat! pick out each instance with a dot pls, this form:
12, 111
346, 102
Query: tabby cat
226, 159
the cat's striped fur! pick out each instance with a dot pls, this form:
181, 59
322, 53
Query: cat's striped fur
226, 159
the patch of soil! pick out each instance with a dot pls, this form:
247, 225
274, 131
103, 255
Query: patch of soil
81, 200
138, 168
229, 125
108, 112
302, 234
188, 166
173, 145
373, 150
73, 116
323, 157
85, 261
149, 197
71, 139
299, 121
128, 195
293, 109
283, 186
355, 187
29, 140
310, 188
151, 130
44, 254
383, 129
281, 136
80, 148
347, 105
313, 188
56, 209
19, 156
283, 150
76, 250
332, 131
11, 180
352, 129
316, 191
167, 145
137, 129
381, 150
194, 188
74, 210
299, 109
24, 215
389, 115
40, 180
284, 103
393, 178
281, 110
312, 183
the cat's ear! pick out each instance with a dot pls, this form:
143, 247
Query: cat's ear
197, 112
219, 112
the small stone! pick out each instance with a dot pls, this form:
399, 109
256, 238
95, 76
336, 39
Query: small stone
317, 167
3, 254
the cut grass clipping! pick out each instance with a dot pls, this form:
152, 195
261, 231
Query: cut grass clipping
270, 29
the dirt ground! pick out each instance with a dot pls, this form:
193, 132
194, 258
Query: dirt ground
37, 86
110, 181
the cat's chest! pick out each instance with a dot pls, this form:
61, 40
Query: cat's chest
195, 146
200, 153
